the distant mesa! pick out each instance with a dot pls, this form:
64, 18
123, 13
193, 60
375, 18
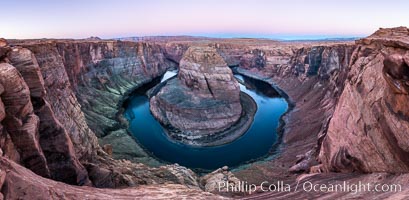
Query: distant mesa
93, 38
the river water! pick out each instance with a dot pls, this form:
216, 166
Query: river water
255, 143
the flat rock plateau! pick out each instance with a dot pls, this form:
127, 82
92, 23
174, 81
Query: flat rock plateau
62, 134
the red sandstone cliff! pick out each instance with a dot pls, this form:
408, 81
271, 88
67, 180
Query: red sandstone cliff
43, 125
369, 128
349, 114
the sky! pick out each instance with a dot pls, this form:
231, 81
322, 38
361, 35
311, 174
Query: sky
277, 19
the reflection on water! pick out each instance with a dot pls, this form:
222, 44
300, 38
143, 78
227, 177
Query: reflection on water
255, 143
168, 75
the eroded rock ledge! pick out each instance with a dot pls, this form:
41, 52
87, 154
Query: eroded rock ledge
43, 126
203, 105
353, 103
368, 130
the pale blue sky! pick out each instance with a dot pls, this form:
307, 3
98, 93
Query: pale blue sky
219, 18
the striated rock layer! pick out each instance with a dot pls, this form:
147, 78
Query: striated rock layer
20, 183
349, 115
20, 122
54, 140
311, 74
203, 100
202, 69
89, 72
43, 126
368, 130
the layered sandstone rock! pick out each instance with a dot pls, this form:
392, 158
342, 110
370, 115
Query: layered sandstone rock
368, 131
20, 122
217, 180
85, 84
19, 183
53, 138
203, 100
312, 96
61, 134
62, 100
3, 48
100, 73
204, 71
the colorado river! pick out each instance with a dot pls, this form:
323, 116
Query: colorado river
255, 143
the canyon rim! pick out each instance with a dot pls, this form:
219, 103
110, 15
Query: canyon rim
192, 117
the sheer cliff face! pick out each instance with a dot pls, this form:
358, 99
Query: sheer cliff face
62, 99
349, 111
311, 76
88, 81
368, 131
28, 114
44, 96
101, 74
312, 79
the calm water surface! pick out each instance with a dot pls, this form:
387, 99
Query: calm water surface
255, 143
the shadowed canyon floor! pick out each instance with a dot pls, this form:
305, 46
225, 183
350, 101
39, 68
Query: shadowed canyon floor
61, 114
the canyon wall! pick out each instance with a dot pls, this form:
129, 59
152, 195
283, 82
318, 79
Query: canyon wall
310, 75
46, 119
311, 78
368, 130
87, 83
61, 100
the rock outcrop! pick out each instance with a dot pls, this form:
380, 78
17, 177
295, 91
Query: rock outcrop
102, 74
368, 130
204, 100
3, 48
19, 183
212, 182
43, 124
53, 138
349, 114
205, 72
62, 99
20, 122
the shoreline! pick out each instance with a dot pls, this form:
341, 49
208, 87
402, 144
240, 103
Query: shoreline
276, 148
231, 134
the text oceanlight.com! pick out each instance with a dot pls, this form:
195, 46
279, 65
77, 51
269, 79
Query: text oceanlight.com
308, 186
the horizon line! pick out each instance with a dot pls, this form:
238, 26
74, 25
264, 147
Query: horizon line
279, 37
